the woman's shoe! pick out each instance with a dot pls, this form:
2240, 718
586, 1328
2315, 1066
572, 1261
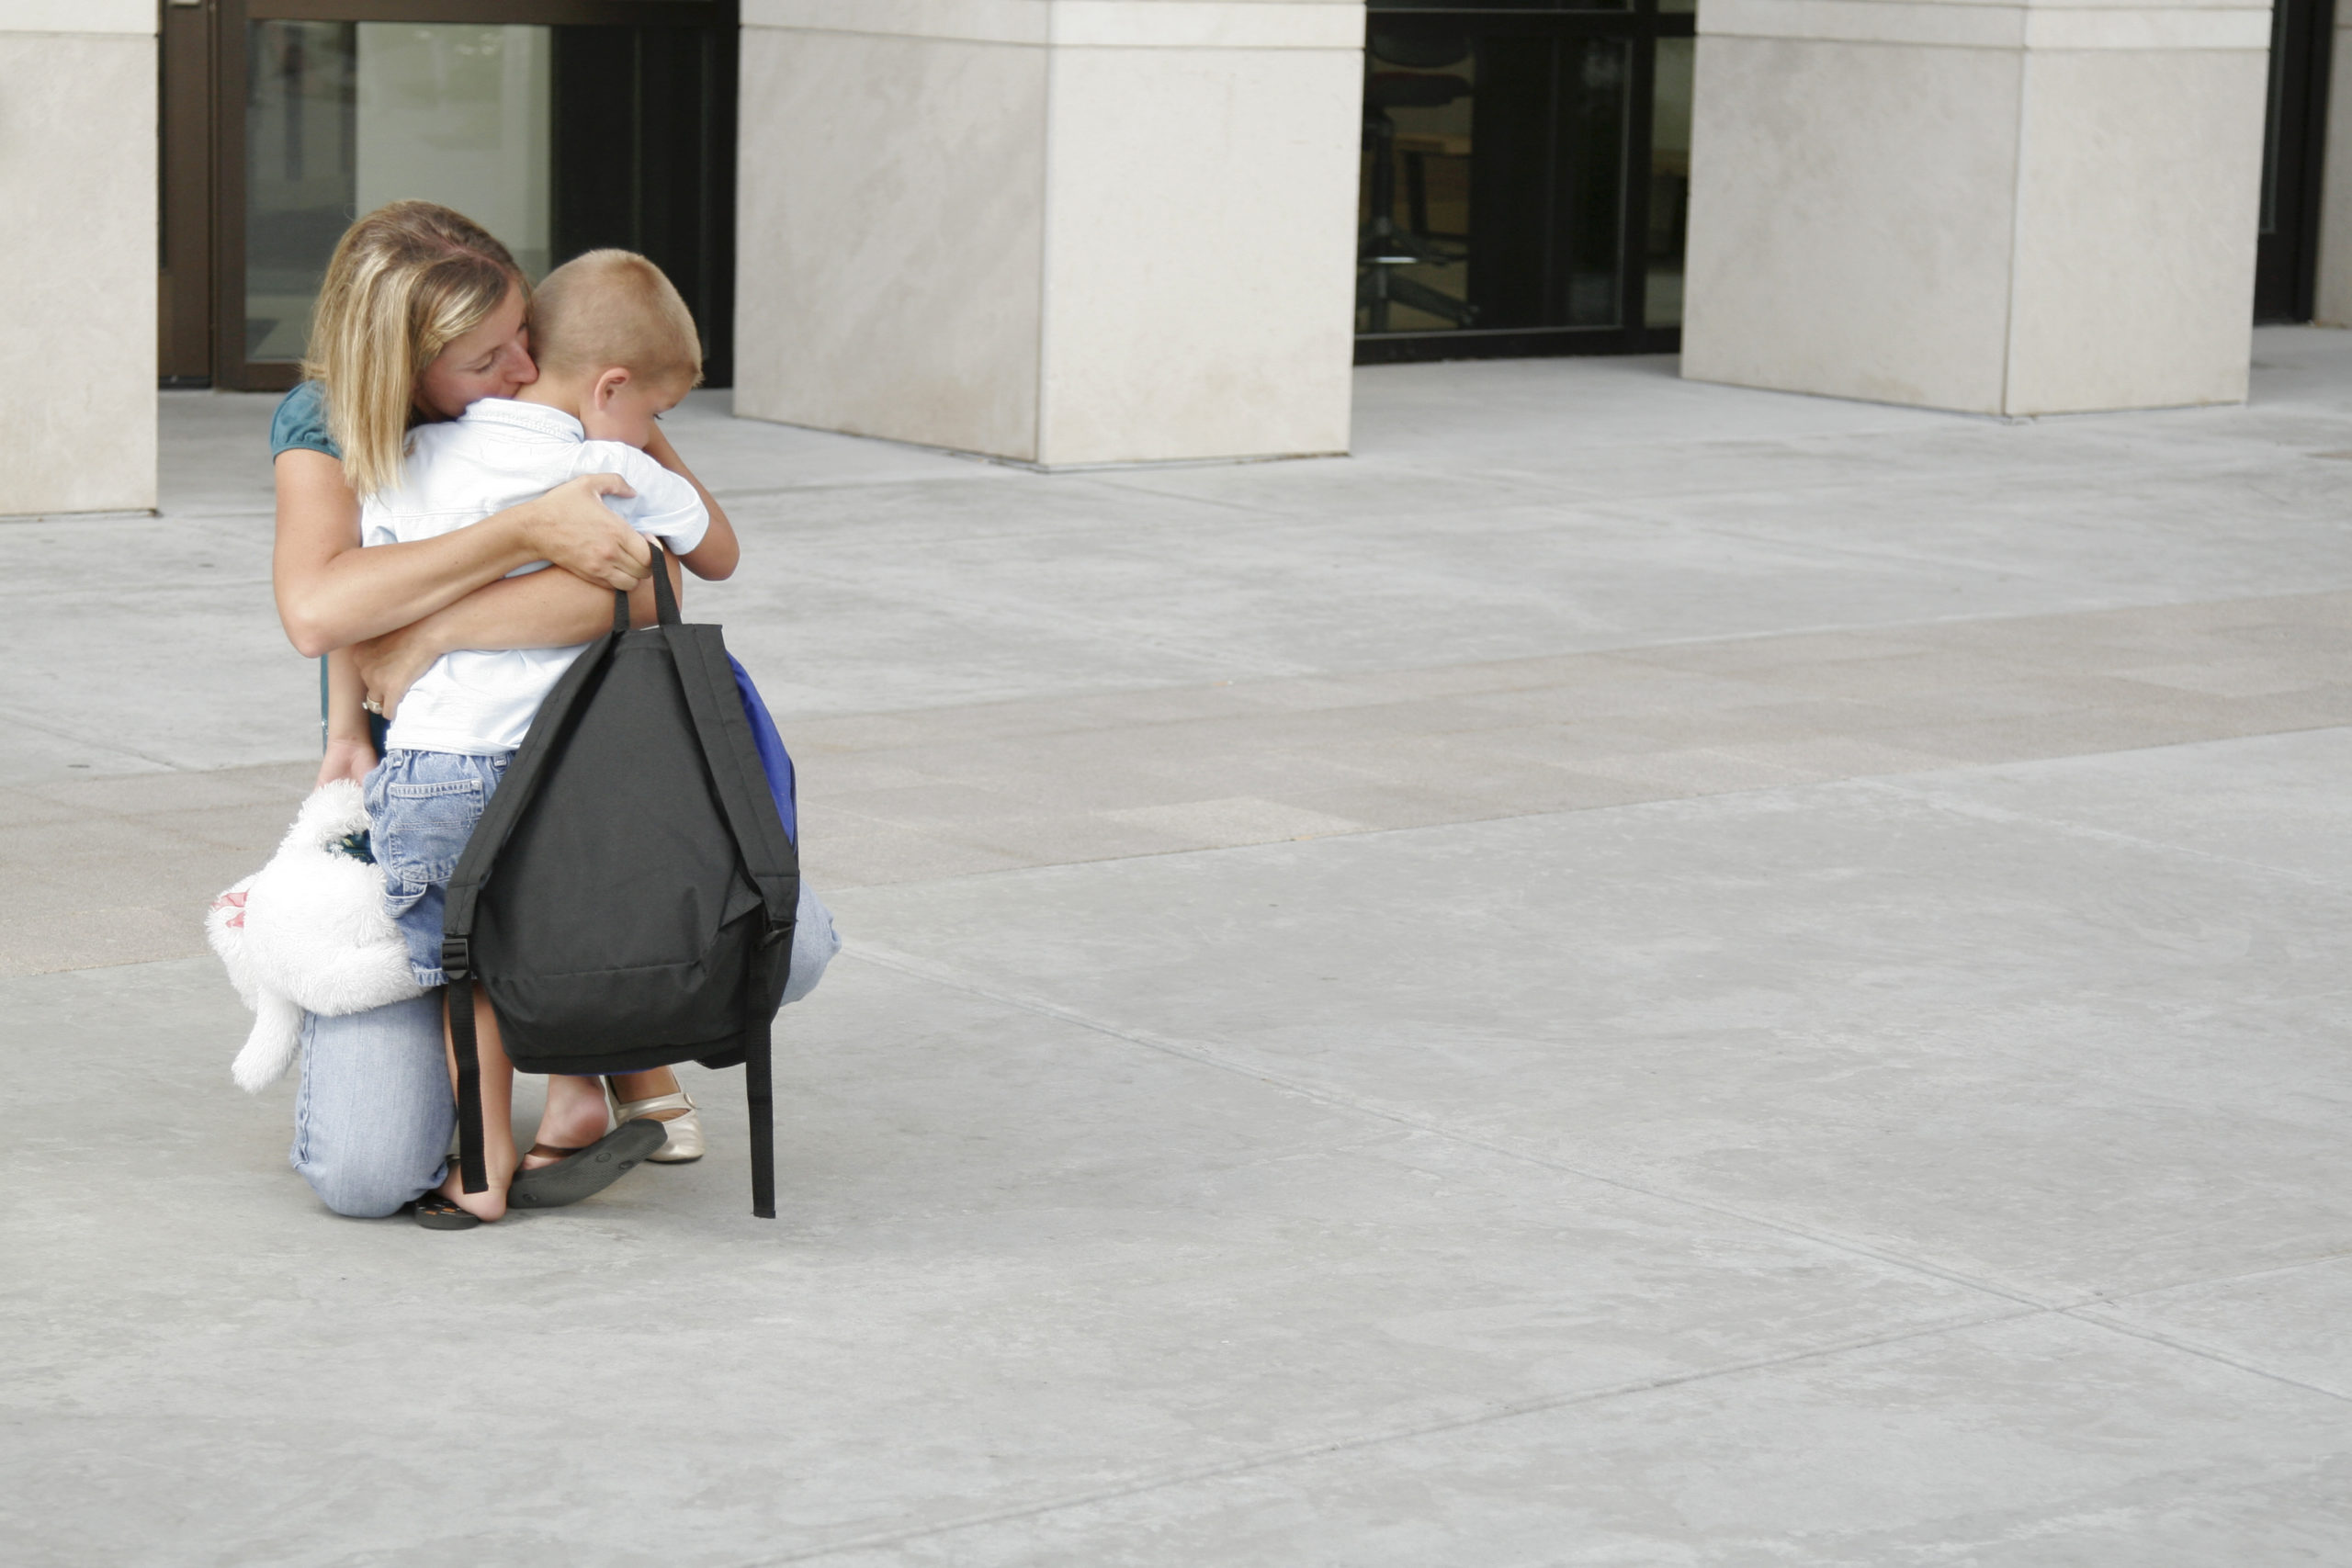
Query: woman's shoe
684, 1142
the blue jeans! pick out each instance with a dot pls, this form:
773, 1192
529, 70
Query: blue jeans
422, 808
373, 1118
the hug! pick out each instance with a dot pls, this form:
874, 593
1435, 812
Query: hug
467, 476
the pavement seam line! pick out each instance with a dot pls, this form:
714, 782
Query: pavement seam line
2187, 1348
953, 979
1509, 1411
15, 717
2008, 815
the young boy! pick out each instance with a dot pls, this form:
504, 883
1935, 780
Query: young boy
617, 348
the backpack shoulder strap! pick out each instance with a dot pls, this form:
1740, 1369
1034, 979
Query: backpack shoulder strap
734, 755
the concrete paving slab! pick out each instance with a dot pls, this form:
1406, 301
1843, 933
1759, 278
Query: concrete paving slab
1016, 1258
2039, 1443
2274, 801
1984, 1079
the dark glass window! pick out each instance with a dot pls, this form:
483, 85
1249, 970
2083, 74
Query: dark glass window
1524, 179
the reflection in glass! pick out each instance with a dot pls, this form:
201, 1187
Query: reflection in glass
1492, 185
297, 174
344, 117
1669, 182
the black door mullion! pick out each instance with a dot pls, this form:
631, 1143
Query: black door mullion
2295, 132
1633, 227
2319, 52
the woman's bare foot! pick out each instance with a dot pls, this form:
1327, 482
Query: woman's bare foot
574, 1117
649, 1084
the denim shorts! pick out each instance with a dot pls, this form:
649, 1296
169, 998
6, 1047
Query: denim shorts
422, 808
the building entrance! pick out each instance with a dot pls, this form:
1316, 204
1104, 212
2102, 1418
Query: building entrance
1524, 179
561, 126
2286, 268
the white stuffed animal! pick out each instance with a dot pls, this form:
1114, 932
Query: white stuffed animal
308, 933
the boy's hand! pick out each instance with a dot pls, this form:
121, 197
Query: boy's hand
348, 757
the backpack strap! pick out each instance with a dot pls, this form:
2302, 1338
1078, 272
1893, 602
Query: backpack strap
473, 1174
759, 1096
734, 755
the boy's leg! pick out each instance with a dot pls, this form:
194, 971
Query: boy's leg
497, 1115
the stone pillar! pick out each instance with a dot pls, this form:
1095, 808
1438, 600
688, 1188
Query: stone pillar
77, 255
1062, 231
2011, 208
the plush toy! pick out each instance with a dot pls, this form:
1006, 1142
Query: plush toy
308, 933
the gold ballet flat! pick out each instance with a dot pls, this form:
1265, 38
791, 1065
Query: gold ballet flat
684, 1141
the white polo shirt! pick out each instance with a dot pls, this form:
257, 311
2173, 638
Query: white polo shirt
499, 454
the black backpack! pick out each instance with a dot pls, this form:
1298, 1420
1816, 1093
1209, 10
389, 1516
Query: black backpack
626, 901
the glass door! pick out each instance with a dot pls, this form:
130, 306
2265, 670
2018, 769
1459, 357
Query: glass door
1524, 177
559, 125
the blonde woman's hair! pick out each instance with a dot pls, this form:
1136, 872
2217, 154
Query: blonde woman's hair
613, 307
405, 282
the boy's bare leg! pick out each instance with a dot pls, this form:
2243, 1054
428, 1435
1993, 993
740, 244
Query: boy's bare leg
574, 1117
497, 1115
645, 1086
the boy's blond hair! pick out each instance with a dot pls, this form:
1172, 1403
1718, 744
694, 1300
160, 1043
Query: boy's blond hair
404, 283
615, 307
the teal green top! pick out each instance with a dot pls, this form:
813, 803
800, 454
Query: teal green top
301, 425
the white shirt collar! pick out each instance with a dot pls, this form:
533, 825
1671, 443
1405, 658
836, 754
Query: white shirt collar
535, 418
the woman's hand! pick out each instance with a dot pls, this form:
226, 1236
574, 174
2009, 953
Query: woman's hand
389, 665
348, 757
574, 529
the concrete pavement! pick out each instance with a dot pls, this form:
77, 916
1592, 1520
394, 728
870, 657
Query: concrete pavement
1638, 974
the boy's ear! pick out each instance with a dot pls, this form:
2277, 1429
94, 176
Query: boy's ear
608, 384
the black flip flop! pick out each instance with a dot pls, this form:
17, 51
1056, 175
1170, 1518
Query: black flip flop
582, 1173
436, 1212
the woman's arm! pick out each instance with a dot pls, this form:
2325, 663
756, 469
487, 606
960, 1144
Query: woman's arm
716, 557
544, 609
331, 594
351, 750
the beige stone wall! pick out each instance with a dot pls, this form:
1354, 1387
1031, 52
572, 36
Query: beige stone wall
77, 256
1064, 231
2001, 208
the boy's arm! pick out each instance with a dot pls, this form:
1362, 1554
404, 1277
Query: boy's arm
544, 609
716, 556
350, 750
